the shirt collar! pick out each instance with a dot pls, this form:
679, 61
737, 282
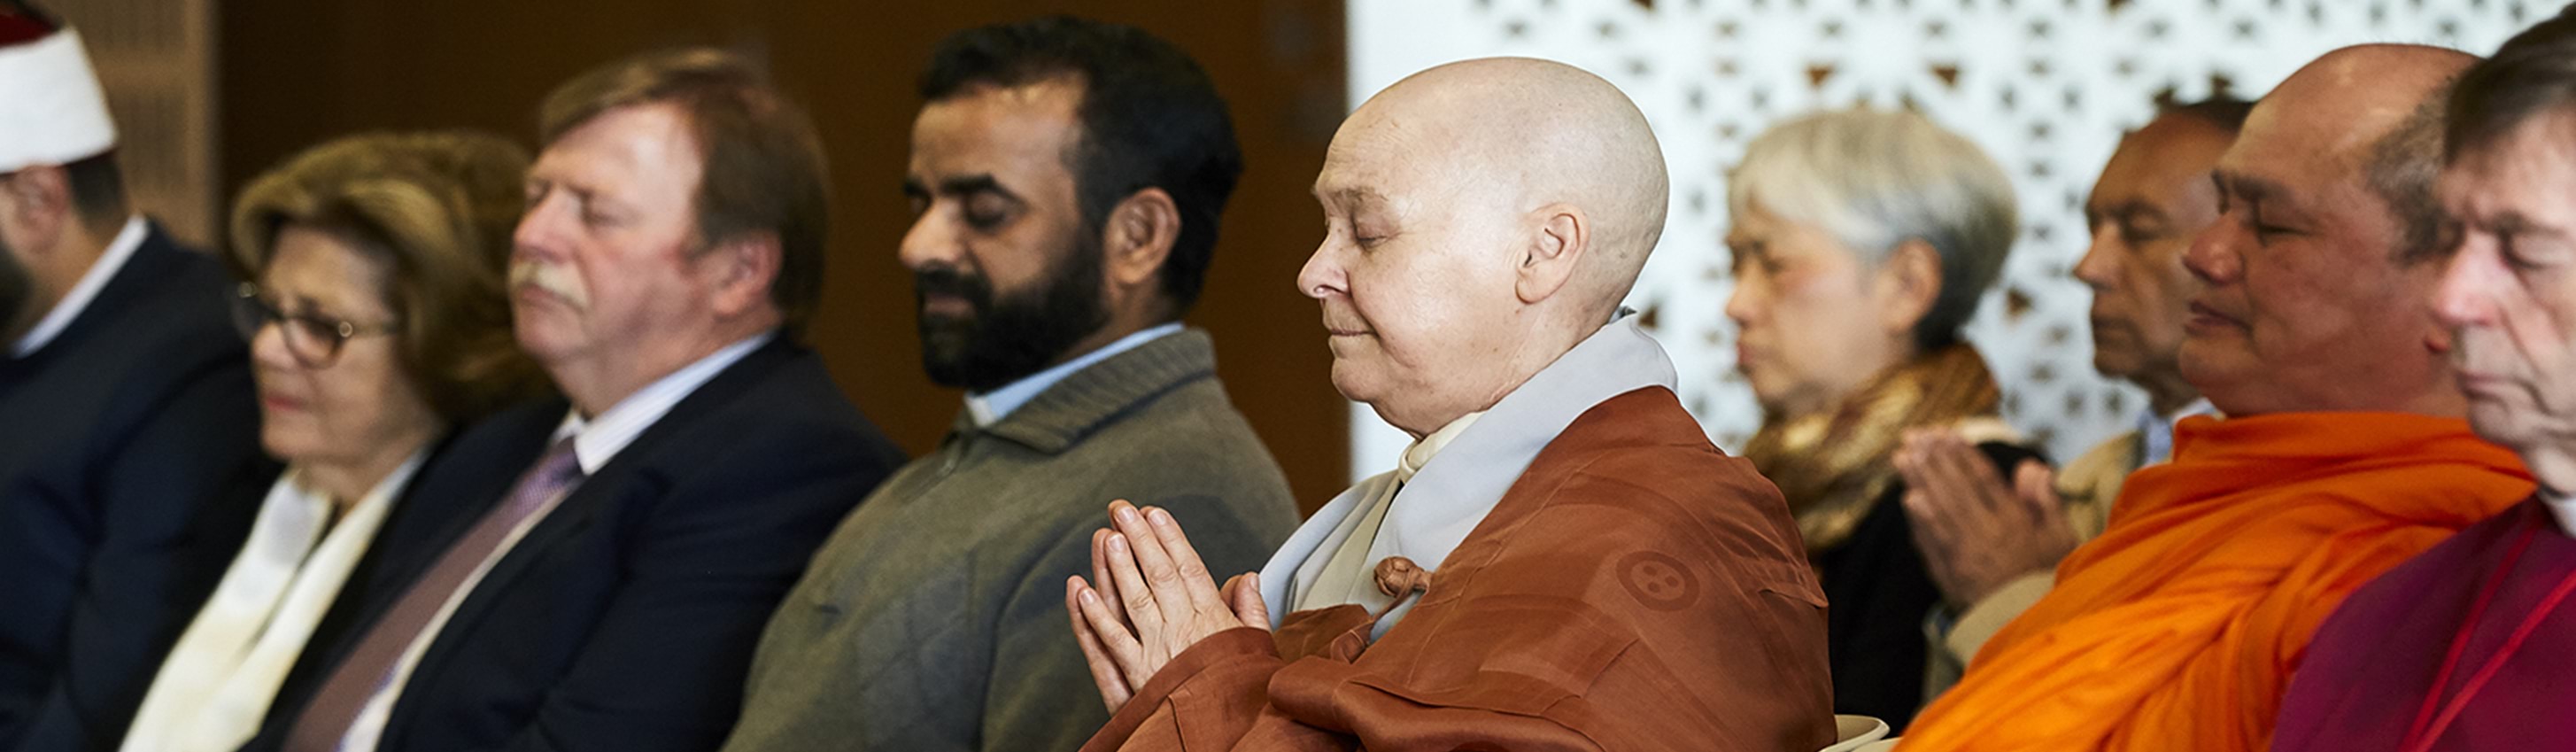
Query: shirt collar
2562, 509
597, 440
118, 252
2158, 429
1421, 452
991, 407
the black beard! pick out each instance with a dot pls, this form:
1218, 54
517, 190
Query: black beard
1007, 339
17, 289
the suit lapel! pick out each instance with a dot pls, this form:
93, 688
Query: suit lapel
628, 475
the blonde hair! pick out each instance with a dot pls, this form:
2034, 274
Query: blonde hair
1874, 179
437, 211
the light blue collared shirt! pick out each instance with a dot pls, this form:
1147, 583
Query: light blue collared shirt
991, 407
2157, 431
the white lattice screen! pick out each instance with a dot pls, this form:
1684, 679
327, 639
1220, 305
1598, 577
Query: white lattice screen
2046, 86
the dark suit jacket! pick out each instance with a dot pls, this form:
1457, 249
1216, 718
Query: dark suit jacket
130, 469
625, 620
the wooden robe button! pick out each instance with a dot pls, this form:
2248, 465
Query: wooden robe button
1397, 576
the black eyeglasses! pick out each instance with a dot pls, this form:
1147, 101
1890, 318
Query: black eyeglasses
312, 338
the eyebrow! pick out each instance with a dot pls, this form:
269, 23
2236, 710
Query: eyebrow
1353, 196
2250, 188
2130, 210
2514, 224
960, 185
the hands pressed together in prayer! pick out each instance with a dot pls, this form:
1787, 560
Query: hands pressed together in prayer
1976, 533
1149, 599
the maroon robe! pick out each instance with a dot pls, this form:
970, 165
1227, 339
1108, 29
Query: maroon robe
2373, 662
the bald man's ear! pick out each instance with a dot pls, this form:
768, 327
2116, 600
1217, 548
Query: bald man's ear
741, 271
1137, 239
1561, 235
1909, 284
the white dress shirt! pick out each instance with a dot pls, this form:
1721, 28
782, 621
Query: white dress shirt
91, 282
595, 441
216, 684
991, 407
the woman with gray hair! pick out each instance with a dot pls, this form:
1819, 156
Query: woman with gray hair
1862, 243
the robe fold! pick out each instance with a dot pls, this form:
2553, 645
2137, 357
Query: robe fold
1635, 589
2179, 628
2374, 662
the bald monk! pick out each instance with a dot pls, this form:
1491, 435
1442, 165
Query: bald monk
2472, 645
1560, 560
2343, 454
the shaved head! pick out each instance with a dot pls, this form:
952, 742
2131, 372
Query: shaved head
2318, 286
1484, 217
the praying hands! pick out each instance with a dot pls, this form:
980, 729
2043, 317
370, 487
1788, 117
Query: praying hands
1149, 599
1978, 533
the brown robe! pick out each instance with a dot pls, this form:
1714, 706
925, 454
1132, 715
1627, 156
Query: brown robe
1636, 589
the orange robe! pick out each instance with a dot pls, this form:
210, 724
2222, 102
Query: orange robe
2178, 629
1635, 590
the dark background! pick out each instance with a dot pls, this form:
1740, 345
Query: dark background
296, 72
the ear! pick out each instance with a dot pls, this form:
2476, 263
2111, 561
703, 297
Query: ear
739, 272
1909, 283
40, 204
1562, 233
1138, 238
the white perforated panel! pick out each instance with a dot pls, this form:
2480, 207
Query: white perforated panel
2047, 87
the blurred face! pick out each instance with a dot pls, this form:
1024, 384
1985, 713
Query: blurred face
2304, 306
1006, 277
2152, 199
18, 310
2511, 290
605, 259
318, 408
1415, 276
17, 291
1809, 331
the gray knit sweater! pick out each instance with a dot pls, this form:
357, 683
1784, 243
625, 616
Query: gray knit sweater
934, 618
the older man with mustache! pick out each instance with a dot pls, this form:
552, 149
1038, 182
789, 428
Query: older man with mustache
2468, 646
591, 572
1561, 560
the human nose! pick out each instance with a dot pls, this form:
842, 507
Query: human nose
2466, 295
2094, 269
2214, 255
541, 230
1323, 274
1745, 303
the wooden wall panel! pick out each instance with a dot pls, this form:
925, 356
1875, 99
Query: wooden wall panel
295, 72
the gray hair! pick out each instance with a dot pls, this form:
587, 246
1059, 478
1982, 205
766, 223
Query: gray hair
1875, 179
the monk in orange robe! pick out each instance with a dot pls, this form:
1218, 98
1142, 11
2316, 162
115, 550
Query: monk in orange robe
1561, 560
2344, 451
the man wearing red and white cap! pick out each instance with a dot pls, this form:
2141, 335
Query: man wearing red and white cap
127, 416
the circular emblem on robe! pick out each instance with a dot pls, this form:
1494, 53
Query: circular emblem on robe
1660, 581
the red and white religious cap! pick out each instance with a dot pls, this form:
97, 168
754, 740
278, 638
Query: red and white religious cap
52, 110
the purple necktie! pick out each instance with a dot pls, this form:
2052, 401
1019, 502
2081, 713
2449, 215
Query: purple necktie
357, 679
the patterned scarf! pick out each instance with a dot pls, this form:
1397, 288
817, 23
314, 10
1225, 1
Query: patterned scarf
1832, 464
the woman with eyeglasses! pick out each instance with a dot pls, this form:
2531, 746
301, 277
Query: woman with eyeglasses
376, 310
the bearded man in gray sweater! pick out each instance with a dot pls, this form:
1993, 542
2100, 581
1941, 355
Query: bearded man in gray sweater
1066, 178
